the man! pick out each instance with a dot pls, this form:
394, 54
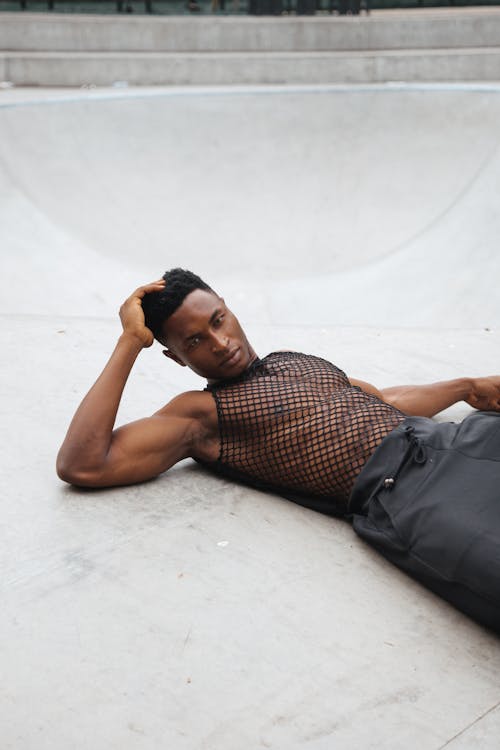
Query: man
424, 494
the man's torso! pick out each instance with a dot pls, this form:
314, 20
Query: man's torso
291, 421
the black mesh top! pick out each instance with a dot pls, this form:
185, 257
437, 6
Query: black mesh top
293, 423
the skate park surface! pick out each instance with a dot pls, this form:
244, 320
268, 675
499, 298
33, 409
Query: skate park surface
357, 223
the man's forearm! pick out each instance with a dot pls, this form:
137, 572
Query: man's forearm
427, 400
89, 435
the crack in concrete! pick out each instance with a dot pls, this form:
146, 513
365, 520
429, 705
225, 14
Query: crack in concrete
462, 731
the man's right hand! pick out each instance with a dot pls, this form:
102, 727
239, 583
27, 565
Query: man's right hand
132, 314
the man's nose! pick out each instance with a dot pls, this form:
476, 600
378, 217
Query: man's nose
219, 342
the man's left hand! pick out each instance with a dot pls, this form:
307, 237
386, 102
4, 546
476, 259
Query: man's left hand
484, 393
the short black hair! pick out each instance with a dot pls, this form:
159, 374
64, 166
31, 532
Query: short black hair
158, 306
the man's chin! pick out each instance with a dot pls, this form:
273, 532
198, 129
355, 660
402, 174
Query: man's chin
234, 360
242, 361
234, 366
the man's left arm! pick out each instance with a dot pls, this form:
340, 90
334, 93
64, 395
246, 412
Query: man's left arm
428, 400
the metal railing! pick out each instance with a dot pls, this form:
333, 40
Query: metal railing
251, 7
230, 7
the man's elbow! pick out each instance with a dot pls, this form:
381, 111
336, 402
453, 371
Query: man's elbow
76, 475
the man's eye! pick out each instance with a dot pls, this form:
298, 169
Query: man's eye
194, 342
219, 320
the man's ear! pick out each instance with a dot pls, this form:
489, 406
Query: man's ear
168, 353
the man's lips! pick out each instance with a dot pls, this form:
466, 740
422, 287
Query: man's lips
232, 357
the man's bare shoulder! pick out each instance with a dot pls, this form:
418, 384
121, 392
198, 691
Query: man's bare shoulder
197, 410
190, 405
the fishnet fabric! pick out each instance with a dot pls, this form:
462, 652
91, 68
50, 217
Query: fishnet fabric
293, 422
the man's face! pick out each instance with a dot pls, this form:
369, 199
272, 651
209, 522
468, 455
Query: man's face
205, 335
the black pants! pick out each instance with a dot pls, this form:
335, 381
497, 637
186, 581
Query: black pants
428, 499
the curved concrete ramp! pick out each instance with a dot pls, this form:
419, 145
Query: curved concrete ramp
384, 199
189, 612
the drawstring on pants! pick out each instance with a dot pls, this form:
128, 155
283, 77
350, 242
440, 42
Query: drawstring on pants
415, 450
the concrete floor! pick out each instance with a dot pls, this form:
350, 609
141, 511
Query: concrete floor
190, 613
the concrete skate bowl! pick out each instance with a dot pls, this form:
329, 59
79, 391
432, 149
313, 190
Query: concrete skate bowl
375, 205
192, 612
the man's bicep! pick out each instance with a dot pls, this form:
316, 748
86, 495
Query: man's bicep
143, 449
